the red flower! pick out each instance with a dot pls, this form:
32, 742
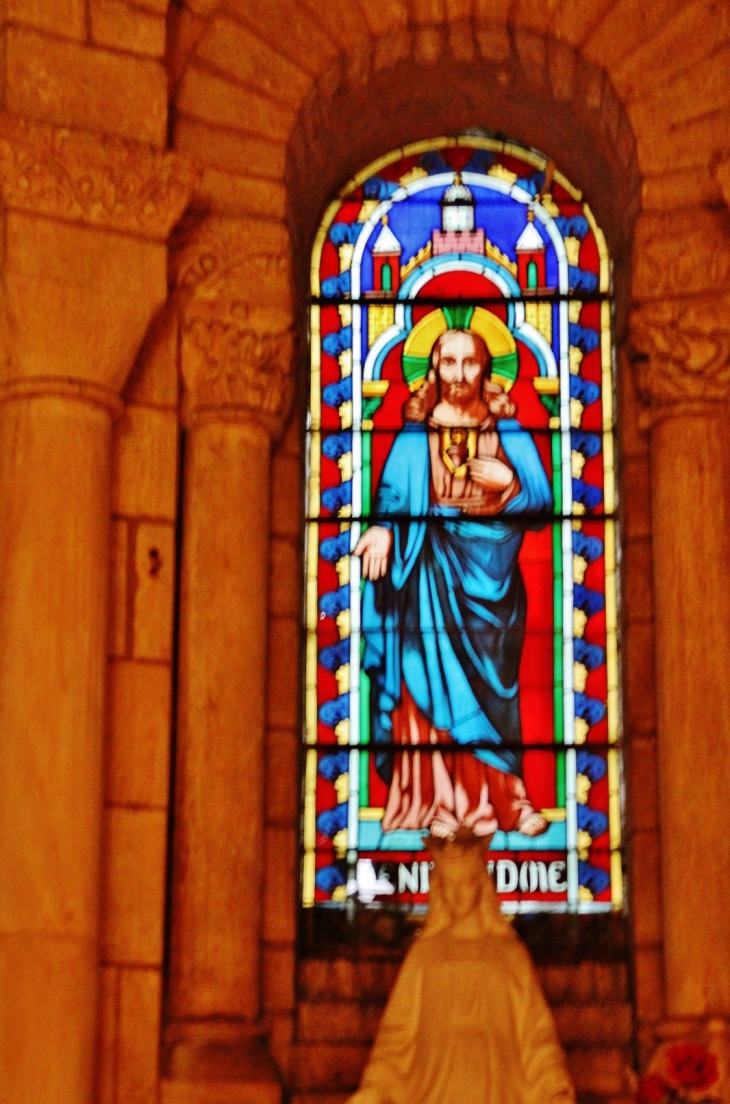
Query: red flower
691, 1066
652, 1089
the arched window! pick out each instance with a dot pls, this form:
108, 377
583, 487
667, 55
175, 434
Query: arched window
461, 661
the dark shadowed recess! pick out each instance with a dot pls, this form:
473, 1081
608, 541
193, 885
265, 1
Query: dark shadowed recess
344, 125
554, 939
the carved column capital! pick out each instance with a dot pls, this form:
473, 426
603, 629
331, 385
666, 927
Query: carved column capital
680, 355
236, 322
75, 175
232, 372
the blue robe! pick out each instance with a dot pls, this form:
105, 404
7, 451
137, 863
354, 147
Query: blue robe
448, 619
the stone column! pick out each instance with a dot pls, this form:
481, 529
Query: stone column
682, 357
77, 300
236, 363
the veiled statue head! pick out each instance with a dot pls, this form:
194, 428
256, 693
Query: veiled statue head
461, 891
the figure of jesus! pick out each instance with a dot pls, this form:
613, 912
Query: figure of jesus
444, 604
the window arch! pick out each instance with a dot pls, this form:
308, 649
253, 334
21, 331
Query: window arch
461, 654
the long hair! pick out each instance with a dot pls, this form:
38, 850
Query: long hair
422, 402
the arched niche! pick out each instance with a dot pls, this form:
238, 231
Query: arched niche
575, 118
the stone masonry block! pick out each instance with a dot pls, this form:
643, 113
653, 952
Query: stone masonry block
222, 148
284, 691
328, 1066
684, 97
291, 29
118, 588
643, 783
617, 32
286, 496
279, 975
598, 1070
429, 44
144, 480
645, 872
532, 52
154, 378
687, 188
154, 573
216, 100
634, 441
139, 701
573, 20
636, 498
280, 889
140, 1000
337, 1022
462, 43
282, 776
134, 891
231, 194
108, 1026
458, 10
280, 1031
346, 979
385, 16
648, 983
284, 578
493, 11
638, 580
692, 145
391, 49
74, 85
61, 17
245, 57
610, 981
494, 41
639, 682
427, 12
86, 296
604, 1024
561, 70
342, 21
116, 24
292, 439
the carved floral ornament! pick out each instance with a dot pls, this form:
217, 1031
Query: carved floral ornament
678, 359
234, 371
104, 181
232, 281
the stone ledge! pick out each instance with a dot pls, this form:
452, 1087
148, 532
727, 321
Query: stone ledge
219, 1092
77, 176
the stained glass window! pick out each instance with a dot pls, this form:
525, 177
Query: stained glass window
461, 548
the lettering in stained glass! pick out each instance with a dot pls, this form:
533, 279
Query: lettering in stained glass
461, 546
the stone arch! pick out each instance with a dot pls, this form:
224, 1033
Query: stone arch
546, 96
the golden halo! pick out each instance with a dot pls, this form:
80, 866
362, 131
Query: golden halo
497, 337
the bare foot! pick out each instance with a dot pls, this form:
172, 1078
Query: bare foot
531, 823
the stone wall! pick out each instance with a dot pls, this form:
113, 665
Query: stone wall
268, 106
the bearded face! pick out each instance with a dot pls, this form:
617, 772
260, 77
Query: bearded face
460, 359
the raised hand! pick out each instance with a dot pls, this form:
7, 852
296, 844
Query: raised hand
374, 547
491, 474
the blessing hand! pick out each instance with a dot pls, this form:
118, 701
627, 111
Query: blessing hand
491, 474
374, 547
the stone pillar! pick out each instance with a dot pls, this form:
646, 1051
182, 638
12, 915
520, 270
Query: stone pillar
78, 295
682, 357
236, 363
